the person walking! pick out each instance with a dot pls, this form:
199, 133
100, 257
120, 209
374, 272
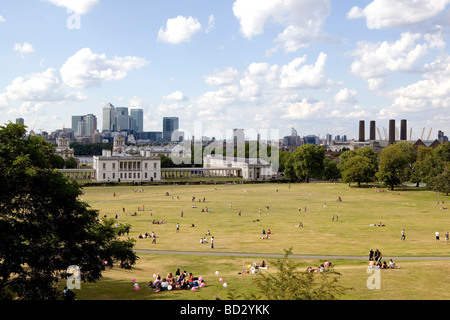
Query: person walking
403, 235
212, 242
437, 236
446, 237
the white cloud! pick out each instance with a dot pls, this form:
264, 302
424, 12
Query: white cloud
87, 69
303, 20
40, 89
78, 6
433, 92
176, 96
2, 19
297, 75
381, 14
23, 48
220, 78
374, 61
304, 109
179, 29
346, 96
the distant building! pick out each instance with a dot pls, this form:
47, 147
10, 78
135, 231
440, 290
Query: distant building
63, 146
248, 168
137, 120
20, 121
109, 118
170, 125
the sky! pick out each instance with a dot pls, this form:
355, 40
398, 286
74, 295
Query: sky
319, 66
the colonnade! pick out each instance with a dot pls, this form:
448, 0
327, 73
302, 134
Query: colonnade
199, 172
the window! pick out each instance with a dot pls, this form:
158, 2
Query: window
154, 175
155, 165
114, 165
104, 176
104, 166
146, 175
114, 175
146, 165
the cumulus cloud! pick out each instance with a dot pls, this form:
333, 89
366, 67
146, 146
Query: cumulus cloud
179, 29
220, 78
374, 61
23, 48
39, 89
2, 19
176, 96
78, 6
346, 96
87, 69
303, 109
380, 14
433, 92
297, 75
302, 20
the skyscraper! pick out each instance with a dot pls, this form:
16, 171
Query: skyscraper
109, 118
122, 119
170, 124
137, 120
84, 126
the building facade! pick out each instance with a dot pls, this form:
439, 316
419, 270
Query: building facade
248, 169
126, 168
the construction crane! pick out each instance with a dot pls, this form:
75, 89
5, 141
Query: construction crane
379, 133
410, 134
429, 135
421, 138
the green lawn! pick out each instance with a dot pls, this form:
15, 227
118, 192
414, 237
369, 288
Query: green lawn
415, 210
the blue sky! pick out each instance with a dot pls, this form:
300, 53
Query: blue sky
319, 66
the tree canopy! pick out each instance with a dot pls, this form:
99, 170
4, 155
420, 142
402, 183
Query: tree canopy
44, 227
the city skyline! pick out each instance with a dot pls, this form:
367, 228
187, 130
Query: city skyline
316, 66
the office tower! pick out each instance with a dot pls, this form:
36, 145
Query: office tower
84, 126
109, 118
137, 120
122, 119
170, 124
20, 121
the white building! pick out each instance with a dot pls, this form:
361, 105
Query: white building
63, 148
126, 168
250, 169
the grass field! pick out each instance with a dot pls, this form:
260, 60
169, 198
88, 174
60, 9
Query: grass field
347, 240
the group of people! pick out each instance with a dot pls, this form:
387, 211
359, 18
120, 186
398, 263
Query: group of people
323, 267
147, 236
375, 261
179, 281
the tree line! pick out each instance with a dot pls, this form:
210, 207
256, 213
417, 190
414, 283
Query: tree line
396, 164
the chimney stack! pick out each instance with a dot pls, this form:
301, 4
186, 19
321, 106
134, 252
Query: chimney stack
362, 133
372, 131
391, 132
403, 129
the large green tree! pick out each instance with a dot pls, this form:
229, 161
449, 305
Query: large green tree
44, 227
360, 165
395, 162
305, 162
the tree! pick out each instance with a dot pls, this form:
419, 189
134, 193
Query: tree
330, 170
289, 283
44, 227
360, 165
71, 163
394, 165
442, 181
308, 162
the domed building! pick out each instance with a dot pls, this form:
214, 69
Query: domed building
63, 146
